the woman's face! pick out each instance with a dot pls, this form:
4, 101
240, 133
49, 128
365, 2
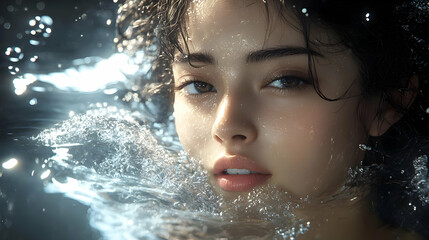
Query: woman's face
250, 105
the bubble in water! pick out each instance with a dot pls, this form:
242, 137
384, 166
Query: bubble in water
15, 54
6, 25
34, 42
40, 6
40, 27
10, 8
367, 17
13, 70
34, 58
11, 163
33, 101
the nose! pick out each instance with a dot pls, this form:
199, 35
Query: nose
234, 125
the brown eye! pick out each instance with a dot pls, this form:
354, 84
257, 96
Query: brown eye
197, 87
287, 82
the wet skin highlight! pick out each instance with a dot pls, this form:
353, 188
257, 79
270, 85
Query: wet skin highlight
251, 96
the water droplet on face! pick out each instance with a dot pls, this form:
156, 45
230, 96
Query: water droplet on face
14, 54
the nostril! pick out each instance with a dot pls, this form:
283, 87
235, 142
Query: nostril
239, 137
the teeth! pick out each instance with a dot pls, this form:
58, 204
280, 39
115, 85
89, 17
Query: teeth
238, 171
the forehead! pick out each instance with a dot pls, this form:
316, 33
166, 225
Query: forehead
244, 24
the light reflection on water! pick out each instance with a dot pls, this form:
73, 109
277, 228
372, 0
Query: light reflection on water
84, 77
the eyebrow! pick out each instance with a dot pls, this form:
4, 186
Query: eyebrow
271, 53
257, 56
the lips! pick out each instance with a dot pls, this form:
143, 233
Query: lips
239, 174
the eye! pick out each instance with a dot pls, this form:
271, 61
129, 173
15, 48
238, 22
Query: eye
286, 82
197, 87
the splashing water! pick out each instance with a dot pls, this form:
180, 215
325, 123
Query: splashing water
137, 189
420, 179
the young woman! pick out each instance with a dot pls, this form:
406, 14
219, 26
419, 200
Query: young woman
293, 94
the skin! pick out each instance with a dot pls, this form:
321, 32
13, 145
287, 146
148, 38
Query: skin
231, 106
307, 143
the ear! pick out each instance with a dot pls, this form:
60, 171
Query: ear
389, 115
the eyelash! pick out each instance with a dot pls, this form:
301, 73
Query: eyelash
303, 82
189, 82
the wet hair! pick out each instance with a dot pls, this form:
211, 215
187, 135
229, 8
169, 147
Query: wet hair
388, 37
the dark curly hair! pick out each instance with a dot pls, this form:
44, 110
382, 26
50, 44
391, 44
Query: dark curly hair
390, 39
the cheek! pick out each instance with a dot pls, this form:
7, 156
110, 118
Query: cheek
193, 127
312, 147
